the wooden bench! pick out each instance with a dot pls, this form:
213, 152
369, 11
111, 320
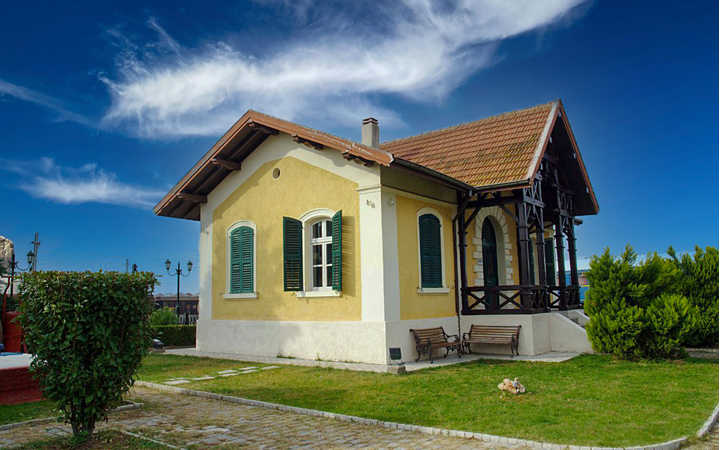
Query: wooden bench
493, 334
429, 339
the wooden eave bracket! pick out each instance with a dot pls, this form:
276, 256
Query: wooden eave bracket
195, 198
360, 160
226, 164
307, 142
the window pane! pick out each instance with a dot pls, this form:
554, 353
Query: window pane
328, 228
317, 276
317, 254
317, 230
328, 253
329, 275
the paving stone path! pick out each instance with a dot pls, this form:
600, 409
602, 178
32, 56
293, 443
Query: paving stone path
221, 373
197, 422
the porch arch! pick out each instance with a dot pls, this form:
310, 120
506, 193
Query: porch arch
504, 249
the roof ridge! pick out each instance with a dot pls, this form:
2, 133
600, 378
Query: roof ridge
352, 143
464, 124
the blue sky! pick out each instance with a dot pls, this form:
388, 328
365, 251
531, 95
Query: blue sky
103, 108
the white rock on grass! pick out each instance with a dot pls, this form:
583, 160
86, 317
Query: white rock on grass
173, 382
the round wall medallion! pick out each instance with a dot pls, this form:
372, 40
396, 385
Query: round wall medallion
276, 173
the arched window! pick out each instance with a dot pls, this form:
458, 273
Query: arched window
241, 260
490, 259
432, 273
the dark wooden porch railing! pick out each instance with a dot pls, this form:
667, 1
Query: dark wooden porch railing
509, 299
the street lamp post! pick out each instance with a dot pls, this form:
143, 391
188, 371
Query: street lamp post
178, 273
15, 266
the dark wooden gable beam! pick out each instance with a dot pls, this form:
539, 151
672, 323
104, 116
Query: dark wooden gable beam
246, 146
226, 164
194, 198
262, 128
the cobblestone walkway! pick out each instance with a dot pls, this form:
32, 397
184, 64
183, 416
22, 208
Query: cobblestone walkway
196, 422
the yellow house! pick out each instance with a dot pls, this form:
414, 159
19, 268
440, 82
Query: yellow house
313, 246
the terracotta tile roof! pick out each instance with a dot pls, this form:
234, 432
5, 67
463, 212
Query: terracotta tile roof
497, 150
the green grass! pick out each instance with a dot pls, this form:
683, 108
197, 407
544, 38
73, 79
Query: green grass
112, 440
26, 411
589, 400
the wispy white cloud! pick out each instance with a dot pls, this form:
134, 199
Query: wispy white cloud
418, 49
38, 98
84, 184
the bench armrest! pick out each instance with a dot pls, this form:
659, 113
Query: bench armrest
466, 336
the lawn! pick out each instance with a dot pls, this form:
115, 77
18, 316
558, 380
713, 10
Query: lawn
589, 400
27, 411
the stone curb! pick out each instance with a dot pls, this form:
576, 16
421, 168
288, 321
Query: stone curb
708, 423
489, 438
10, 426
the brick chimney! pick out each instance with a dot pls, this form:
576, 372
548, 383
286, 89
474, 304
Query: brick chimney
370, 133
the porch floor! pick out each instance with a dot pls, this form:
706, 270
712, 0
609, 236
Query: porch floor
410, 366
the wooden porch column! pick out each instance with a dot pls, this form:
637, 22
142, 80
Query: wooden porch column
540, 243
462, 234
575, 300
560, 250
523, 250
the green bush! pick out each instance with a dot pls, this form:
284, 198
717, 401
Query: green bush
175, 335
163, 316
654, 308
698, 281
89, 332
668, 319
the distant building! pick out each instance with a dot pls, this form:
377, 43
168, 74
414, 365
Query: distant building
188, 302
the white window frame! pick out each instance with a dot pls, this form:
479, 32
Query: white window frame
444, 289
308, 219
228, 267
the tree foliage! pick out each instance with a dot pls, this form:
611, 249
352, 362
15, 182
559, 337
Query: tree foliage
163, 316
89, 332
653, 308
698, 281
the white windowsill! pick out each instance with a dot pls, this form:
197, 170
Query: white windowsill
302, 294
442, 290
245, 295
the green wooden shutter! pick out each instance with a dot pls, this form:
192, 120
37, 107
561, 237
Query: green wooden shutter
337, 251
430, 252
292, 254
242, 260
550, 261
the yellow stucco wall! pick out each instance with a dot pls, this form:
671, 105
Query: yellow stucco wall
264, 200
414, 305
